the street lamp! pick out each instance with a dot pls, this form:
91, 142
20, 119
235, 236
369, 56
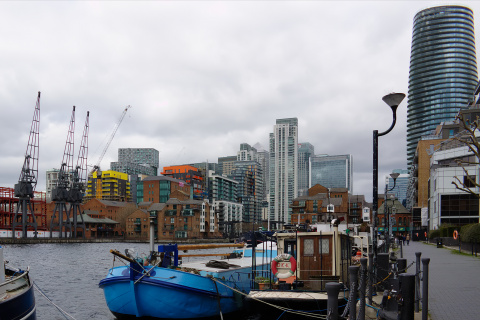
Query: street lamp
386, 212
393, 100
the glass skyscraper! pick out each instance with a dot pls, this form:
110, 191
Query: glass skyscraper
305, 152
443, 70
332, 171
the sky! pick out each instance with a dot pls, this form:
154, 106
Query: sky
202, 77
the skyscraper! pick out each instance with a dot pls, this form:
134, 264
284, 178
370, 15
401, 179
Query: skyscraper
443, 69
332, 171
283, 170
305, 152
136, 161
401, 185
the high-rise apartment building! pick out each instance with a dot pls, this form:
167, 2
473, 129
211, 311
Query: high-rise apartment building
108, 185
305, 152
332, 171
135, 161
226, 164
283, 170
249, 176
443, 70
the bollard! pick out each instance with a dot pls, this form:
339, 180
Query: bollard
401, 249
417, 281
401, 265
370, 277
407, 292
362, 288
382, 273
352, 300
333, 289
425, 263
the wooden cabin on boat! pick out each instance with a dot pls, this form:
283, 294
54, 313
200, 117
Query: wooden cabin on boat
321, 257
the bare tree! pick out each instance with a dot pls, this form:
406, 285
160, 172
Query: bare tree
468, 136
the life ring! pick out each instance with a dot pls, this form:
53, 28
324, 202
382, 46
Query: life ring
283, 258
455, 234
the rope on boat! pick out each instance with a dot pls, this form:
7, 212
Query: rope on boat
301, 313
64, 313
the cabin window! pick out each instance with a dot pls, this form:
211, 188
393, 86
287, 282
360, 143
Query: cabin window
308, 247
324, 245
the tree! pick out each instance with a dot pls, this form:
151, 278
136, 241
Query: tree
468, 136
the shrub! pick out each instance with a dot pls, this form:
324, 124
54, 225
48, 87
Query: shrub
470, 233
434, 234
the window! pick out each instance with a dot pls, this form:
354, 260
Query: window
308, 247
172, 220
469, 181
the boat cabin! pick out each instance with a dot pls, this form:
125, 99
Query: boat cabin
320, 257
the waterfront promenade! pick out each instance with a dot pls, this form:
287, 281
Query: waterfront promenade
454, 281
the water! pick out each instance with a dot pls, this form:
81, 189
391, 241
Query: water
69, 274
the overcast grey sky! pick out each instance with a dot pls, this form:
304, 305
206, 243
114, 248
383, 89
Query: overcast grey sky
204, 76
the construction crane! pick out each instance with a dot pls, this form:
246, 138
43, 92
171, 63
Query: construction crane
97, 165
60, 192
77, 187
27, 181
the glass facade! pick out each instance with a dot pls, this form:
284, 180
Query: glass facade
401, 185
305, 151
332, 171
443, 70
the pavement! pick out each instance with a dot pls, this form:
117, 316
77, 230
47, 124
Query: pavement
454, 281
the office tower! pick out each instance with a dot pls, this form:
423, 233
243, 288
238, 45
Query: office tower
135, 161
305, 151
226, 164
332, 171
401, 185
283, 170
443, 70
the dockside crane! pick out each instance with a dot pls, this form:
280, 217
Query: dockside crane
97, 165
60, 192
27, 181
79, 178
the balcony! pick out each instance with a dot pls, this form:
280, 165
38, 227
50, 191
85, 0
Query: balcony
188, 212
170, 213
137, 229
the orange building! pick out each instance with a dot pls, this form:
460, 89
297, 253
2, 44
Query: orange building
191, 175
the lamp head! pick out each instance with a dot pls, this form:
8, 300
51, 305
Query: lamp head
394, 175
393, 99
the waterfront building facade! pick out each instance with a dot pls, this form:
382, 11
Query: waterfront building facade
305, 152
283, 170
332, 171
249, 176
443, 70
158, 189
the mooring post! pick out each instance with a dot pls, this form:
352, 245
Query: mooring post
407, 291
370, 277
352, 301
402, 265
333, 289
417, 281
362, 288
383, 269
425, 263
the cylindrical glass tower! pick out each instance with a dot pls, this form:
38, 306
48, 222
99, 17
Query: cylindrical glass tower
443, 70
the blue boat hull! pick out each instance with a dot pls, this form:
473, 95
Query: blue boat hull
21, 307
174, 294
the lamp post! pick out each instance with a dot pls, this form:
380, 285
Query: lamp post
386, 211
393, 100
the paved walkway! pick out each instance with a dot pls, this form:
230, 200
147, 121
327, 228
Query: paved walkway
454, 290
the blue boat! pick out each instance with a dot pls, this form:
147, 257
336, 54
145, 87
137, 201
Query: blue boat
17, 300
166, 289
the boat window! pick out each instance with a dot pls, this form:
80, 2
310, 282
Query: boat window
324, 245
308, 247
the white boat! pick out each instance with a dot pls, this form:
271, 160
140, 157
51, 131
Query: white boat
17, 300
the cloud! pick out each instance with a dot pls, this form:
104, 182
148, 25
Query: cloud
203, 77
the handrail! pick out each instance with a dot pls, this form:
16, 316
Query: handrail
24, 274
